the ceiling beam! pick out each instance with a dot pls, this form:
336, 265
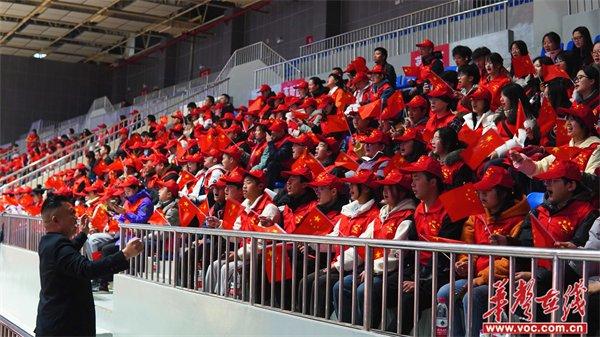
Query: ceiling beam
40, 7
65, 25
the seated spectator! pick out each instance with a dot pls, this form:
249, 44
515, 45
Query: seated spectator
582, 49
551, 44
168, 201
380, 55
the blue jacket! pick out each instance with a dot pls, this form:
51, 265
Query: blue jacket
143, 213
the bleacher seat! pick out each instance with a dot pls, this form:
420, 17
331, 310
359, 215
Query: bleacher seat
451, 68
570, 45
597, 38
535, 199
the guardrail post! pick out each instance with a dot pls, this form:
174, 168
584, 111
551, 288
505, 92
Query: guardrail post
368, 288
28, 235
253, 268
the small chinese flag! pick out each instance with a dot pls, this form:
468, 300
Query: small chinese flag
342, 99
308, 160
564, 152
275, 228
300, 114
255, 105
158, 218
180, 152
461, 202
279, 262
344, 160
187, 211
26, 200
314, 223
55, 183
221, 141
203, 210
476, 153
100, 167
542, 238
562, 137
116, 165
230, 213
547, 118
33, 209
468, 136
550, 72
520, 124
184, 178
79, 210
394, 104
100, 218
335, 123
163, 120
522, 66
289, 221
412, 71
440, 239
371, 110
396, 162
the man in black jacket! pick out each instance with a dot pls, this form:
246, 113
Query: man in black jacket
66, 306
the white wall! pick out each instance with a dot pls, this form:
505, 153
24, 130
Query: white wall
589, 19
547, 17
241, 78
19, 286
157, 310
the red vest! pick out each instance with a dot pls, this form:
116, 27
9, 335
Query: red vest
495, 86
448, 171
583, 157
386, 230
428, 224
257, 152
249, 220
435, 122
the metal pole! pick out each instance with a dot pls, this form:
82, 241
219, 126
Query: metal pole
368, 288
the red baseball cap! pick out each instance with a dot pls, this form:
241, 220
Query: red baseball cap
425, 164
308, 102
194, 158
171, 185
481, 93
351, 67
257, 174
376, 136
236, 176
303, 140
365, 177
324, 179
278, 125
298, 172
213, 153
561, 169
228, 116
129, 181
417, 102
220, 183
325, 100
264, 87
234, 152
281, 108
102, 126
581, 111
359, 77
158, 159
377, 69
494, 176
426, 43
411, 134
123, 131
302, 85
441, 91
394, 177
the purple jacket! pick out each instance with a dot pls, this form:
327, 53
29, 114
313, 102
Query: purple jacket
143, 213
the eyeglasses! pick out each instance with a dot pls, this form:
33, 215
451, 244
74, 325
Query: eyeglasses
596, 52
578, 78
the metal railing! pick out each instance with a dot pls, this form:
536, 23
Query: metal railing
257, 51
580, 6
9, 329
290, 273
475, 22
423, 15
74, 153
21, 231
174, 90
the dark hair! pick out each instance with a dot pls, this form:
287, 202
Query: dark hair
496, 59
122, 117
383, 51
226, 96
90, 155
521, 46
450, 77
419, 149
191, 105
553, 37
339, 82
570, 61
545, 60
480, 52
592, 73
71, 130
319, 83
557, 93
107, 147
439, 182
152, 118
470, 70
508, 197
52, 202
516, 93
462, 51
338, 69
588, 131
449, 139
210, 98
585, 53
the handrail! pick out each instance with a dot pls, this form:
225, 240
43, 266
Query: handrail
399, 42
579, 6
11, 328
247, 53
380, 27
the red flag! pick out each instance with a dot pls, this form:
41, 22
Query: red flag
461, 202
230, 213
100, 167
522, 66
203, 210
564, 152
547, 117
180, 152
116, 165
562, 137
342, 99
314, 223
255, 105
184, 178
158, 218
26, 200
476, 153
468, 136
413, 71
439, 239
163, 120
550, 72
307, 160
541, 236
520, 118
279, 262
371, 110
220, 140
394, 104
344, 160
100, 218
55, 183
33, 209
300, 114
187, 211
335, 123
275, 228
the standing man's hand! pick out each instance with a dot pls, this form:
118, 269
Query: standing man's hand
84, 223
134, 247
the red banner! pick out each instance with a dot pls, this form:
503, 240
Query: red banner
415, 57
288, 87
